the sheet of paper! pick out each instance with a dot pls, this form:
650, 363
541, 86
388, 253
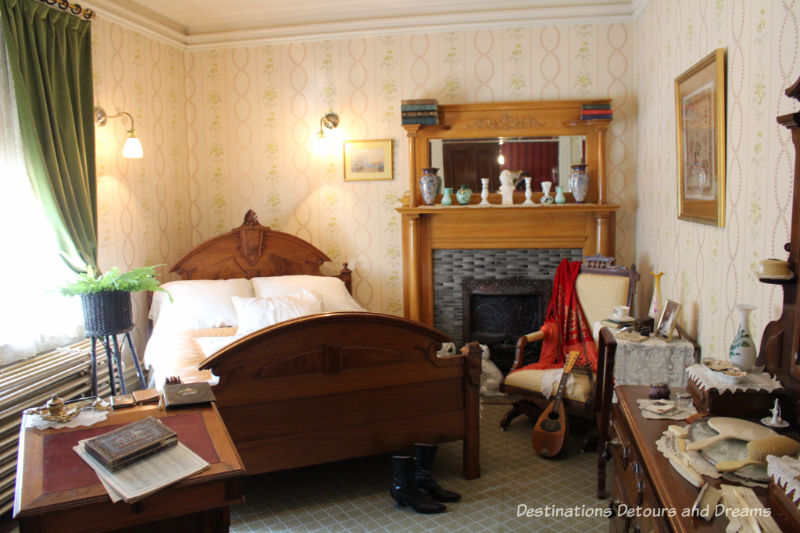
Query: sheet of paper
145, 477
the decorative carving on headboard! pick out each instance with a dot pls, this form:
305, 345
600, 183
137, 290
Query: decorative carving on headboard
251, 234
252, 250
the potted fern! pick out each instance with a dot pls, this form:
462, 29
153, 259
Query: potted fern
106, 298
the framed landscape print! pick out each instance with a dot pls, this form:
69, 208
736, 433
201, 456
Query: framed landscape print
368, 160
700, 120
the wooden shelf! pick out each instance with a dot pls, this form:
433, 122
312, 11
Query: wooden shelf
789, 281
473, 209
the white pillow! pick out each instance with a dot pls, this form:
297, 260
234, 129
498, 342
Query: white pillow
257, 313
332, 290
198, 303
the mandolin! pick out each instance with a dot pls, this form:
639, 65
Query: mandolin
550, 431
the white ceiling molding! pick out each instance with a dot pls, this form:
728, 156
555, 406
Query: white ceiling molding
221, 24
638, 6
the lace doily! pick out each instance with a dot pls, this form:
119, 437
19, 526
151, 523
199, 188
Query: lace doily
785, 471
676, 413
706, 379
668, 446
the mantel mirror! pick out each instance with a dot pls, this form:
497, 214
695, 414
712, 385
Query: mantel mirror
541, 139
544, 158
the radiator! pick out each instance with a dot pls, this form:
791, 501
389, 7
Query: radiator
65, 372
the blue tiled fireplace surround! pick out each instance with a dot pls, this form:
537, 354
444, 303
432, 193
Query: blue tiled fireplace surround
451, 267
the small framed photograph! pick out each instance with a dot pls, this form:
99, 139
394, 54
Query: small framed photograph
668, 320
700, 119
368, 160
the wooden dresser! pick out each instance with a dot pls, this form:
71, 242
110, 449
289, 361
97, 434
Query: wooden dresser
645, 481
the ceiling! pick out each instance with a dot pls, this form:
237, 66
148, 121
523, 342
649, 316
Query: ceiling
197, 24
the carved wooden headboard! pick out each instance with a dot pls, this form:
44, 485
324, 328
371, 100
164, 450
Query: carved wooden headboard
253, 250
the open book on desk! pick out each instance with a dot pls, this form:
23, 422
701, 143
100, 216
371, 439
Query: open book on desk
148, 475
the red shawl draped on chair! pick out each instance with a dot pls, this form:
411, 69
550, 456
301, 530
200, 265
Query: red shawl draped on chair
565, 327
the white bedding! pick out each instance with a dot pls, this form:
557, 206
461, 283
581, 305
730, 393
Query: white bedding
171, 353
176, 347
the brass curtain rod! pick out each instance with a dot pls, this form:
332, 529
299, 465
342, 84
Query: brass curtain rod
74, 9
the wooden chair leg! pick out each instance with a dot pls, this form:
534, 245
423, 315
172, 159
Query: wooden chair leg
510, 415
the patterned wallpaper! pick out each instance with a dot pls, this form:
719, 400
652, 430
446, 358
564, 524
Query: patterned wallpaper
235, 128
253, 113
143, 204
709, 270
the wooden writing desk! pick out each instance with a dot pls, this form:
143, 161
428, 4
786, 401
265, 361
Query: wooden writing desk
57, 491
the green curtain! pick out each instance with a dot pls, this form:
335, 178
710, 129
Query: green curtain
49, 54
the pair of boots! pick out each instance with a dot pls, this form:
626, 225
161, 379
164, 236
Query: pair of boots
413, 485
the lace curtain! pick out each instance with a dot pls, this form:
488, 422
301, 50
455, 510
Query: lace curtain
33, 316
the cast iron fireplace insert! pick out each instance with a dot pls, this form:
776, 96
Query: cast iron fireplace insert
499, 311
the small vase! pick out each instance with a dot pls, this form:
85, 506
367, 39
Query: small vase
446, 198
528, 192
546, 198
484, 192
560, 198
743, 349
428, 184
463, 195
578, 183
656, 301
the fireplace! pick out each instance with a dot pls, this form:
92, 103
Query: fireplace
498, 312
452, 266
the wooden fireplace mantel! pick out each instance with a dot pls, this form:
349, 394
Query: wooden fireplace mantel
589, 226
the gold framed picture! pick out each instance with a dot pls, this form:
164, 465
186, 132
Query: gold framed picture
368, 160
668, 320
700, 124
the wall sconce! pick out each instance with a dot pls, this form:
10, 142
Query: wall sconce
328, 120
132, 148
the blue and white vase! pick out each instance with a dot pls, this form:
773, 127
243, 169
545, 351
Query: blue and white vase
428, 185
578, 183
743, 348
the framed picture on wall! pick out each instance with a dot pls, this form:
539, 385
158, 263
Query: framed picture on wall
700, 122
368, 160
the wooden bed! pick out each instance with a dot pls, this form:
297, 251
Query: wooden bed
331, 386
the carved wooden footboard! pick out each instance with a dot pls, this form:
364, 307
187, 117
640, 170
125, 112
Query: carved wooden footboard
341, 385
331, 386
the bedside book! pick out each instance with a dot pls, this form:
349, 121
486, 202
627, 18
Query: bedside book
127, 444
184, 394
147, 476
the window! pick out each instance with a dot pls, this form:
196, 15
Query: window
33, 316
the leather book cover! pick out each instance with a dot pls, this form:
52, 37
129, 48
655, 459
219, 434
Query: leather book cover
146, 396
131, 442
181, 394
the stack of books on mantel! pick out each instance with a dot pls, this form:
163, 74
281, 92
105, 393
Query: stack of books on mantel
137, 459
423, 111
596, 112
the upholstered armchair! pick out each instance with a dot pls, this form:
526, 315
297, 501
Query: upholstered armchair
599, 286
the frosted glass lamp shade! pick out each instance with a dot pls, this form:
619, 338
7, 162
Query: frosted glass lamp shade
132, 148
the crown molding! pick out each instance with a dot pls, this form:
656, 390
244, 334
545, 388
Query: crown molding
638, 7
149, 24
198, 38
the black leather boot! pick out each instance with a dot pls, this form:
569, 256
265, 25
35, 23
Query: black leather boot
425, 454
404, 488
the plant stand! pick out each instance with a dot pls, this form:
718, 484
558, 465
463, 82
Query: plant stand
112, 347
106, 315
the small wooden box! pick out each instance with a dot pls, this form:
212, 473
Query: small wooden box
749, 404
